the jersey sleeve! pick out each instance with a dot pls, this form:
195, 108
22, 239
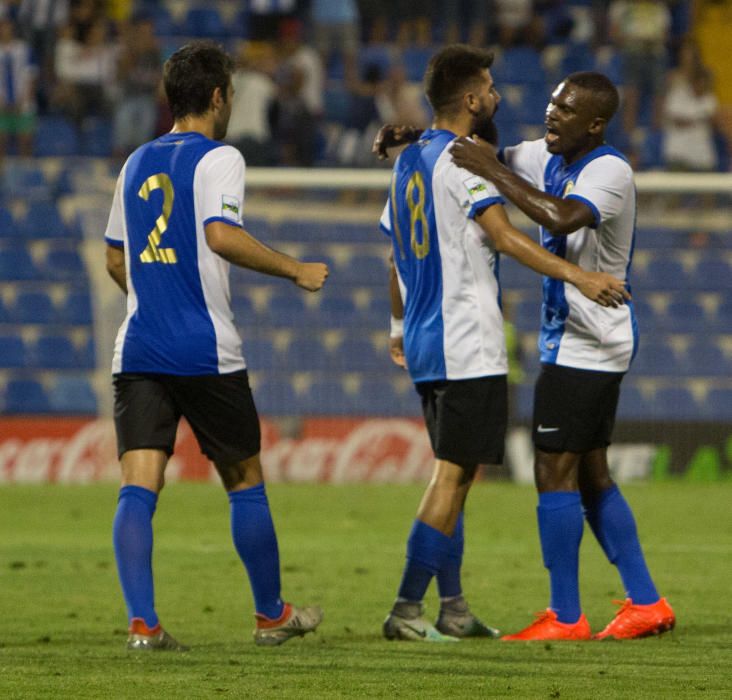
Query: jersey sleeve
474, 193
603, 185
222, 186
114, 234
528, 160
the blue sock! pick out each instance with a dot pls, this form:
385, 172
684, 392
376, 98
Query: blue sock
256, 543
448, 577
427, 550
560, 530
612, 521
132, 535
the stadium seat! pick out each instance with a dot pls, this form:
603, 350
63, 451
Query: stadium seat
34, 306
513, 275
12, 352
520, 64
328, 396
655, 358
64, 264
337, 311
77, 308
43, 220
8, 226
664, 273
73, 395
359, 354
287, 309
337, 103
275, 397
705, 358
632, 404
96, 137
375, 55
713, 274
25, 396
260, 354
306, 354
54, 351
55, 136
684, 316
25, 180
16, 263
718, 405
526, 314
204, 22
86, 355
367, 268
415, 60
379, 397
674, 403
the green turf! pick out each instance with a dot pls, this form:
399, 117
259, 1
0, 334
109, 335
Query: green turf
62, 618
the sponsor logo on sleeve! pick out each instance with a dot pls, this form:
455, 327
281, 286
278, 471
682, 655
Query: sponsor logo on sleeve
230, 207
477, 188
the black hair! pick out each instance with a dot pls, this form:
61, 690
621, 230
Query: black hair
191, 75
451, 72
605, 98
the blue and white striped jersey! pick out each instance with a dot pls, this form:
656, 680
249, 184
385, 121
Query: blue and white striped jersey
448, 269
576, 332
179, 318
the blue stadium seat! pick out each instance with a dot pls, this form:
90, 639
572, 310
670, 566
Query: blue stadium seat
54, 351
33, 306
64, 264
664, 273
260, 354
243, 308
16, 263
513, 275
415, 60
660, 238
366, 268
275, 397
655, 358
327, 396
86, 355
287, 309
520, 64
632, 404
675, 403
77, 308
204, 22
337, 311
646, 315
718, 405
8, 226
359, 354
25, 180
375, 55
379, 311
160, 14
337, 104
526, 314
706, 359
73, 395
5, 315
306, 354
12, 352
684, 316
43, 220
96, 137
25, 396
55, 136
379, 397
713, 273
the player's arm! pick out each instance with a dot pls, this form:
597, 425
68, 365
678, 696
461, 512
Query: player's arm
600, 287
559, 216
240, 248
396, 332
116, 266
394, 136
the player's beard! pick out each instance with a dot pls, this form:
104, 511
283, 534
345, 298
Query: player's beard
485, 127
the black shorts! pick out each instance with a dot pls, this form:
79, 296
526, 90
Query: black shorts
466, 419
574, 409
219, 408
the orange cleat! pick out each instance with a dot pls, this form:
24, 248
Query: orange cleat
546, 627
144, 638
636, 621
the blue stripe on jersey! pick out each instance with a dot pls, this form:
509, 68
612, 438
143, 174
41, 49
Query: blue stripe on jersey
114, 242
171, 332
223, 219
422, 274
558, 180
481, 206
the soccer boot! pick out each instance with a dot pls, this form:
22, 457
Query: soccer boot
456, 620
405, 622
636, 621
546, 627
294, 622
143, 638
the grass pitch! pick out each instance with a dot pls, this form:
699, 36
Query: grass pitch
62, 619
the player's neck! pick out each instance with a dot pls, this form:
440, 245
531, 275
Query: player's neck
458, 125
200, 124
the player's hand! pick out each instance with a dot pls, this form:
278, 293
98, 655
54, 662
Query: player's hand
311, 275
393, 135
603, 288
396, 350
476, 155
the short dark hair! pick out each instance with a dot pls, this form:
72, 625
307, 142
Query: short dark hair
191, 75
605, 98
451, 72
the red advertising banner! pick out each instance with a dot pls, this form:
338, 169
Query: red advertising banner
314, 449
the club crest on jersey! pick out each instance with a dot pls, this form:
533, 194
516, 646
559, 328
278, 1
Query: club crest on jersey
476, 188
568, 188
230, 207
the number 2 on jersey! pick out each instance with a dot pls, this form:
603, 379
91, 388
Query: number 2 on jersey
153, 252
417, 214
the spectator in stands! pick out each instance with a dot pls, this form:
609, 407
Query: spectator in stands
517, 23
266, 17
138, 72
17, 90
641, 30
689, 114
336, 31
374, 20
86, 70
254, 102
40, 22
301, 81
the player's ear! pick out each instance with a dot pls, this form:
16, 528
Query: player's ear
597, 125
